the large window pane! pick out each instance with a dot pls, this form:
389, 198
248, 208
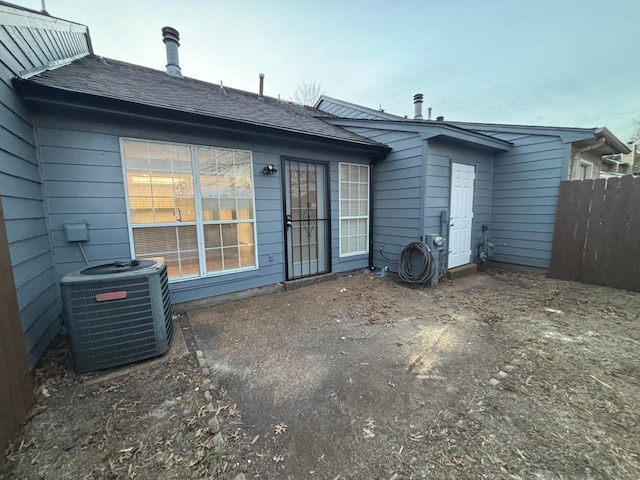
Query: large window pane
227, 196
171, 188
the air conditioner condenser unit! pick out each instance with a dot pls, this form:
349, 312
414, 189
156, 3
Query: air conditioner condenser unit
117, 313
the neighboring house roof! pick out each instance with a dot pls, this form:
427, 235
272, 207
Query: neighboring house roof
603, 143
346, 114
428, 129
579, 137
115, 80
601, 139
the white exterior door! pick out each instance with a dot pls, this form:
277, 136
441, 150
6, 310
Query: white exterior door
460, 226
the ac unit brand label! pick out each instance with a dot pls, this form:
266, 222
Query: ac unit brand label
103, 297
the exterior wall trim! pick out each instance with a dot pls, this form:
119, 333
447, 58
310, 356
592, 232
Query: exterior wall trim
30, 72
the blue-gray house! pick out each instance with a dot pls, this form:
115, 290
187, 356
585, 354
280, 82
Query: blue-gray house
238, 190
453, 178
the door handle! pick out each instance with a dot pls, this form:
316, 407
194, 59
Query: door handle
288, 221
452, 225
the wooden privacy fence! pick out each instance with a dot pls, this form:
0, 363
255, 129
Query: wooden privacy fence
15, 381
597, 233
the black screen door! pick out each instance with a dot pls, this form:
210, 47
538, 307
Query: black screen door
306, 218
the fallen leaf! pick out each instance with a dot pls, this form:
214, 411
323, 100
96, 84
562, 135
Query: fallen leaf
35, 411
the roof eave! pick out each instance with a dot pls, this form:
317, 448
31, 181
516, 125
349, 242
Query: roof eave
610, 139
53, 95
445, 131
432, 129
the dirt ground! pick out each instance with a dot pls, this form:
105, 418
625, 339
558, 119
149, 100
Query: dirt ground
501, 375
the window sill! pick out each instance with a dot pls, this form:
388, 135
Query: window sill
355, 254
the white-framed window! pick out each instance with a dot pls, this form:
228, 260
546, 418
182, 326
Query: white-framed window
193, 205
585, 170
354, 209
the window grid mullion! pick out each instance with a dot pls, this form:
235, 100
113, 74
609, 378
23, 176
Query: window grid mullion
195, 168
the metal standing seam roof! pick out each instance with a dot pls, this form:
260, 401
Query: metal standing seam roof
113, 79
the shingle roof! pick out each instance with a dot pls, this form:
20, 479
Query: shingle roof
107, 78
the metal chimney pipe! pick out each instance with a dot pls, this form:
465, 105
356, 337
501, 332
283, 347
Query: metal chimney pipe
262, 84
417, 104
429, 113
171, 39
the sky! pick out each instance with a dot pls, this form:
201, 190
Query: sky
571, 63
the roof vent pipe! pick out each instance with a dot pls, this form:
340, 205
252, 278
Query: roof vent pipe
429, 113
417, 104
171, 39
262, 84
440, 119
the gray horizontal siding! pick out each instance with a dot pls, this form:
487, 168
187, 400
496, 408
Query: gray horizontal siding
82, 175
516, 192
29, 42
397, 189
441, 154
83, 181
525, 195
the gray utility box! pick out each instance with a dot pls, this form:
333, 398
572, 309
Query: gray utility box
117, 313
439, 253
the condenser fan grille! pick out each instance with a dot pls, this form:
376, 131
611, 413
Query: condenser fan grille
166, 303
116, 329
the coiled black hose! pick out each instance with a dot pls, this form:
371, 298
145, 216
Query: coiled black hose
425, 267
